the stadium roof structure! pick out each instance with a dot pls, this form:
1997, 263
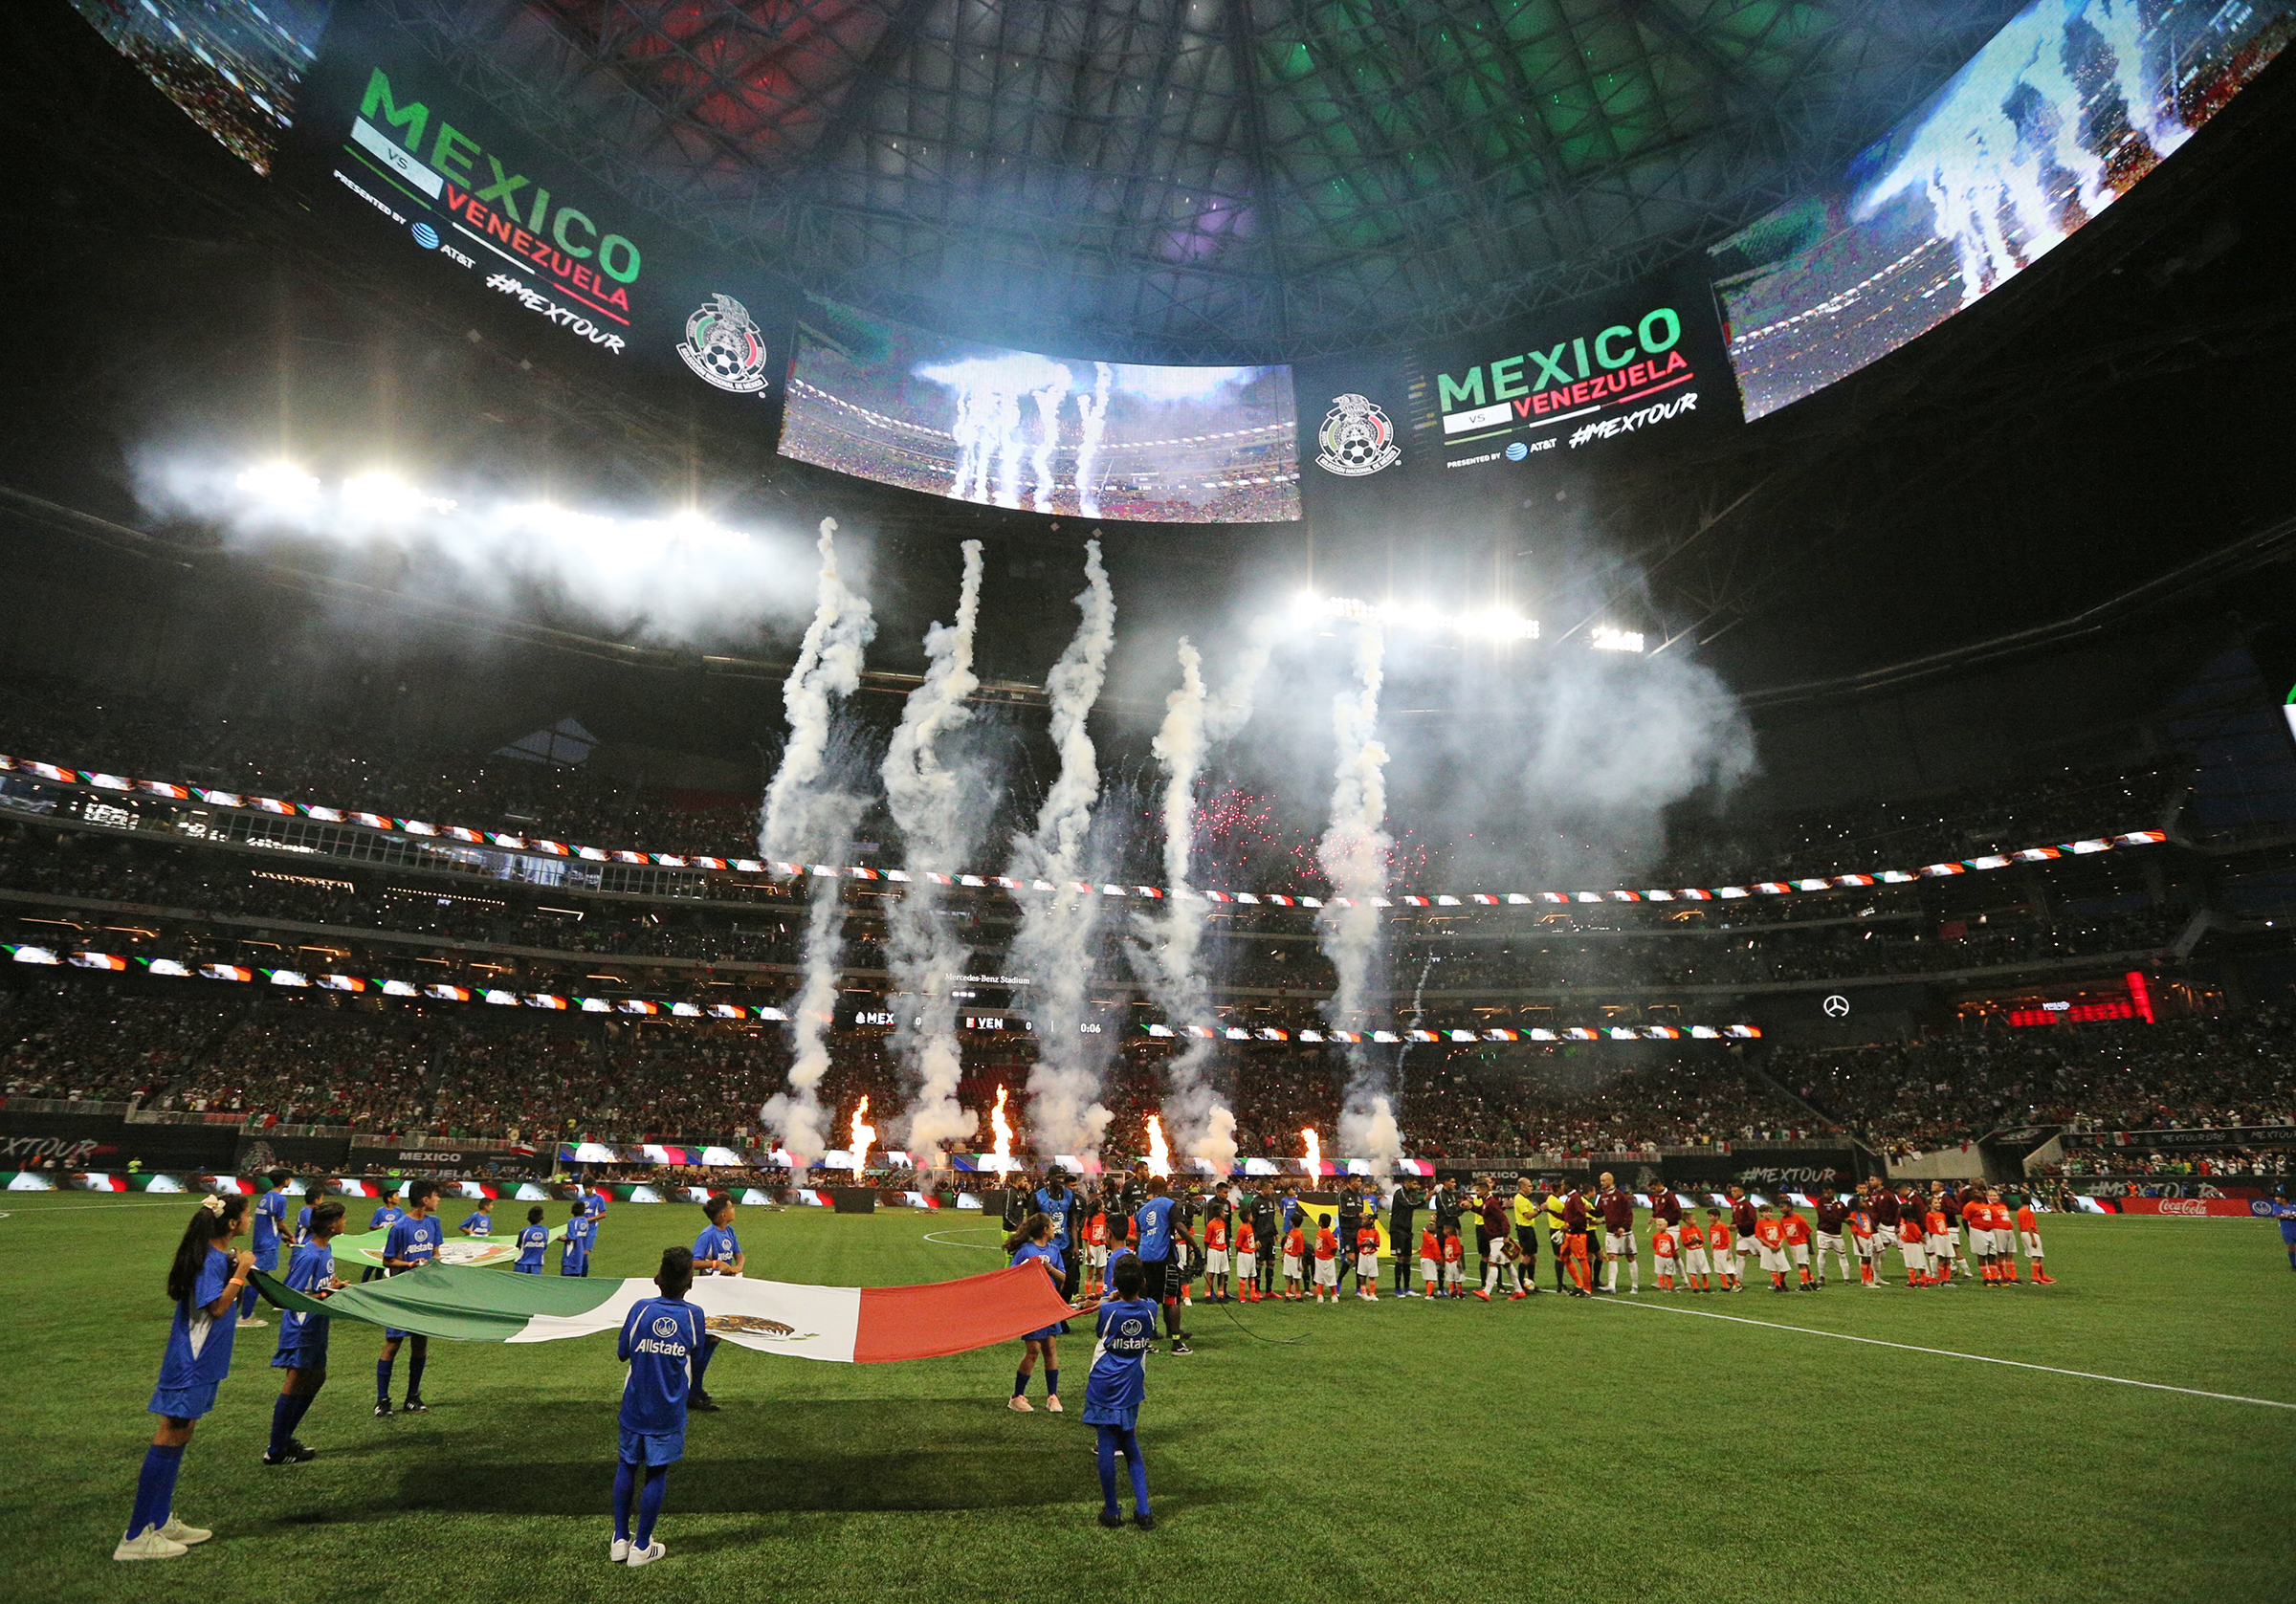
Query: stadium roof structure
1206, 180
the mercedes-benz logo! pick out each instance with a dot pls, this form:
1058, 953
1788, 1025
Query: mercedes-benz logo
1836, 1007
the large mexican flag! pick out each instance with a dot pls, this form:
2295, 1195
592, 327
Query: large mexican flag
864, 1325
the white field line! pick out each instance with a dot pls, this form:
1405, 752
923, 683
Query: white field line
1951, 1354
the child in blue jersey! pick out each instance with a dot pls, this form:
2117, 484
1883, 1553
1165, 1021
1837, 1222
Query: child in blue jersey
1116, 1385
658, 1340
388, 1214
533, 1241
413, 1242
717, 1251
271, 1221
303, 1338
480, 1224
205, 1282
574, 1257
1033, 1244
312, 1194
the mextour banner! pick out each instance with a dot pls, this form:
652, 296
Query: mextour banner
1599, 380
367, 1247
852, 1325
395, 155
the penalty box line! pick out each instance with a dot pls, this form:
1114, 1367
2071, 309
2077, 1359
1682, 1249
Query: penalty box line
1951, 1353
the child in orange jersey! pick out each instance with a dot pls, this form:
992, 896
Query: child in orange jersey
1662, 1257
1367, 1263
1248, 1261
1863, 1242
1795, 1228
1719, 1246
1769, 1241
1295, 1250
1454, 1266
1095, 1253
1327, 1261
1690, 1249
1430, 1264
1908, 1248
1215, 1260
1937, 1240
2028, 1230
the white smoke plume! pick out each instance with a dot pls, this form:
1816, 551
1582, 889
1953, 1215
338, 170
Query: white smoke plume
1168, 950
930, 802
1057, 941
1093, 411
1354, 854
680, 579
809, 818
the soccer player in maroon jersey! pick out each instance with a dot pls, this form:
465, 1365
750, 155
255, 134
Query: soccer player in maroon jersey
1742, 1223
1574, 1243
1833, 1212
1617, 1208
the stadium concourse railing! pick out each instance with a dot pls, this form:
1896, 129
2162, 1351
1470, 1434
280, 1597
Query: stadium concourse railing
354, 835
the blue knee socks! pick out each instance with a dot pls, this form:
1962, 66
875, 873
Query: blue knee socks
649, 1501
1114, 1441
414, 1374
1020, 1382
382, 1380
626, 1484
1051, 1382
287, 1414
155, 1488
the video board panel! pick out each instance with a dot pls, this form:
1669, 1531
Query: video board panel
2060, 114
233, 66
885, 400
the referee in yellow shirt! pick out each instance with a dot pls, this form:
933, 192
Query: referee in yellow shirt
1550, 1220
1527, 1211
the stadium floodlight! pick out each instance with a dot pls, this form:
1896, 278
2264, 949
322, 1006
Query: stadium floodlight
281, 484
1604, 638
1491, 624
388, 498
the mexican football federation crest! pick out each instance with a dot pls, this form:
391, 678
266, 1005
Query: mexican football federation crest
724, 345
1356, 438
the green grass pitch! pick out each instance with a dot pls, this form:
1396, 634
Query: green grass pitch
1541, 1450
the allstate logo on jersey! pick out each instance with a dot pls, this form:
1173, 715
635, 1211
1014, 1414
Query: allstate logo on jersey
1356, 438
724, 345
665, 1326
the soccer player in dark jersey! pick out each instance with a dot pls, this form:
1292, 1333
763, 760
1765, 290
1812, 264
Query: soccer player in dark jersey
1616, 1205
1265, 1233
717, 1251
1351, 1221
657, 1342
302, 1353
1742, 1223
1574, 1243
1057, 1204
1833, 1213
1162, 1236
1403, 1212
203, 1281
413, 1242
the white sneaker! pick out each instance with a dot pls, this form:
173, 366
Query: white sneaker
643, 1556
1053, 1404
1019, 1405
245, 1323
149, 1544
175, 1532
617, 1550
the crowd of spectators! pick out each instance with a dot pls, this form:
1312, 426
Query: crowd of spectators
2195, 1072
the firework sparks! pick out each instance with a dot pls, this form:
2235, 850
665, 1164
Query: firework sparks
1312, 1159
863, 1134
